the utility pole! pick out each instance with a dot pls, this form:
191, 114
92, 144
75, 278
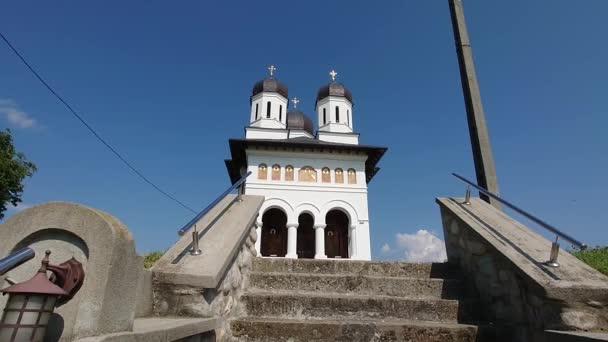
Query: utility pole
478, 131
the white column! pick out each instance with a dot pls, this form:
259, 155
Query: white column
292, 241
258, 242
353, 242
320, 241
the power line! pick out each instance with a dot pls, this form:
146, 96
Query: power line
129, 165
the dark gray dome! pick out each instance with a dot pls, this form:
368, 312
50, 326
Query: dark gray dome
270, 84
299, 120
334, 89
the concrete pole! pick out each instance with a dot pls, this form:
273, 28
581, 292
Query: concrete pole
292, 241
478, 131
320, 241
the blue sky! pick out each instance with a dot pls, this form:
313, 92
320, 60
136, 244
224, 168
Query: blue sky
167, 83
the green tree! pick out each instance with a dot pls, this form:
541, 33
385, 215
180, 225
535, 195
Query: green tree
14, 167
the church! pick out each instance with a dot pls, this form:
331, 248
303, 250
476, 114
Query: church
314, 183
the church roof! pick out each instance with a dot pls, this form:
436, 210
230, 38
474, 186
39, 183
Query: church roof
334, 89
270, 85
298, 120
239, 158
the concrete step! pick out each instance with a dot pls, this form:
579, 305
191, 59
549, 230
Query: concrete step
350, 307
280, 330
575, 336
358, 284
354, 267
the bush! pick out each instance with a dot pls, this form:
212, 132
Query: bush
595, 257
151, 258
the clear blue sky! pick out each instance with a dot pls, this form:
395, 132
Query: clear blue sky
168, 83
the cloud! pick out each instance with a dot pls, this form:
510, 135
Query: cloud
386, 248
15, 116
423, 246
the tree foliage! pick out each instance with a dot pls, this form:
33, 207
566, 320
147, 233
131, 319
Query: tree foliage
595, 257
14, 167
151, 258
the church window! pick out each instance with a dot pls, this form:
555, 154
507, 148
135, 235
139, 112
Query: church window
262, 172
348, 117
307, 174
325, 176
257, 106
339, 176
276, 172
288, 173
337, 114
281, 113
268, 110
324, 116
352, 176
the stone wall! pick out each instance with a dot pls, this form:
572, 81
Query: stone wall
222, 301
501, 260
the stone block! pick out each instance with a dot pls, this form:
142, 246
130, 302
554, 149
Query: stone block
105, 247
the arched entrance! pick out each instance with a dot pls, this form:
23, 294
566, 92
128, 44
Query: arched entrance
336, 234
274, 233
306, 236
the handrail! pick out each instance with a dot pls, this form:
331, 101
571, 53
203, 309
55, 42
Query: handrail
15, 259
204, 212
526, 214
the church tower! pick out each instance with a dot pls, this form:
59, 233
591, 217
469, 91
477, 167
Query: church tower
314, 184
334, 107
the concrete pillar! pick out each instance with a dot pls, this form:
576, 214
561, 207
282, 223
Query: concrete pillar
292, 241
353, 241
258, 242
320, 241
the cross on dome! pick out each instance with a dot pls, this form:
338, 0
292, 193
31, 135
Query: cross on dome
295, 102
333, 74
271, 69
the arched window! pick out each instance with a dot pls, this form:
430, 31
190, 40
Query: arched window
288, 173
339, 176
324, 116
281, 113
268, 110
325, 176
348, 116
352, 176
262, 172
307, 174
337, 114
276, 172
257, 106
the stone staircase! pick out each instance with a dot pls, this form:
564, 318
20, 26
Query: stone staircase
339, 300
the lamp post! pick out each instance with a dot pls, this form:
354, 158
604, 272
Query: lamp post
29, 307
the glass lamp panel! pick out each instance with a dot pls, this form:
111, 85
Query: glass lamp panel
44, 318
6, 334
50, 303
24, 334
29, 318
15, 301
35, 302
39, 335
10, 317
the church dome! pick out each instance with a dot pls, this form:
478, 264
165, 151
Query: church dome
270, 85
298, 120
334, 89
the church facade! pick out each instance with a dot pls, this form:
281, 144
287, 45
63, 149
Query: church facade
314, 183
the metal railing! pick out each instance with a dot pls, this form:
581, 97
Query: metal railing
192, 223
15, 259
558, 233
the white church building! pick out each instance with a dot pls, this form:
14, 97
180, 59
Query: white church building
314, 184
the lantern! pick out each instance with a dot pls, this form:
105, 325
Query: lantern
29, 307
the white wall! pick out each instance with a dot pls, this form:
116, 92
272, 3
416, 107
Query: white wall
345, 122
295, 197
276, 101
342, 138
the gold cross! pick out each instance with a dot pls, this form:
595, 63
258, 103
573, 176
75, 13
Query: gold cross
295, 102
271, 69
333, 75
